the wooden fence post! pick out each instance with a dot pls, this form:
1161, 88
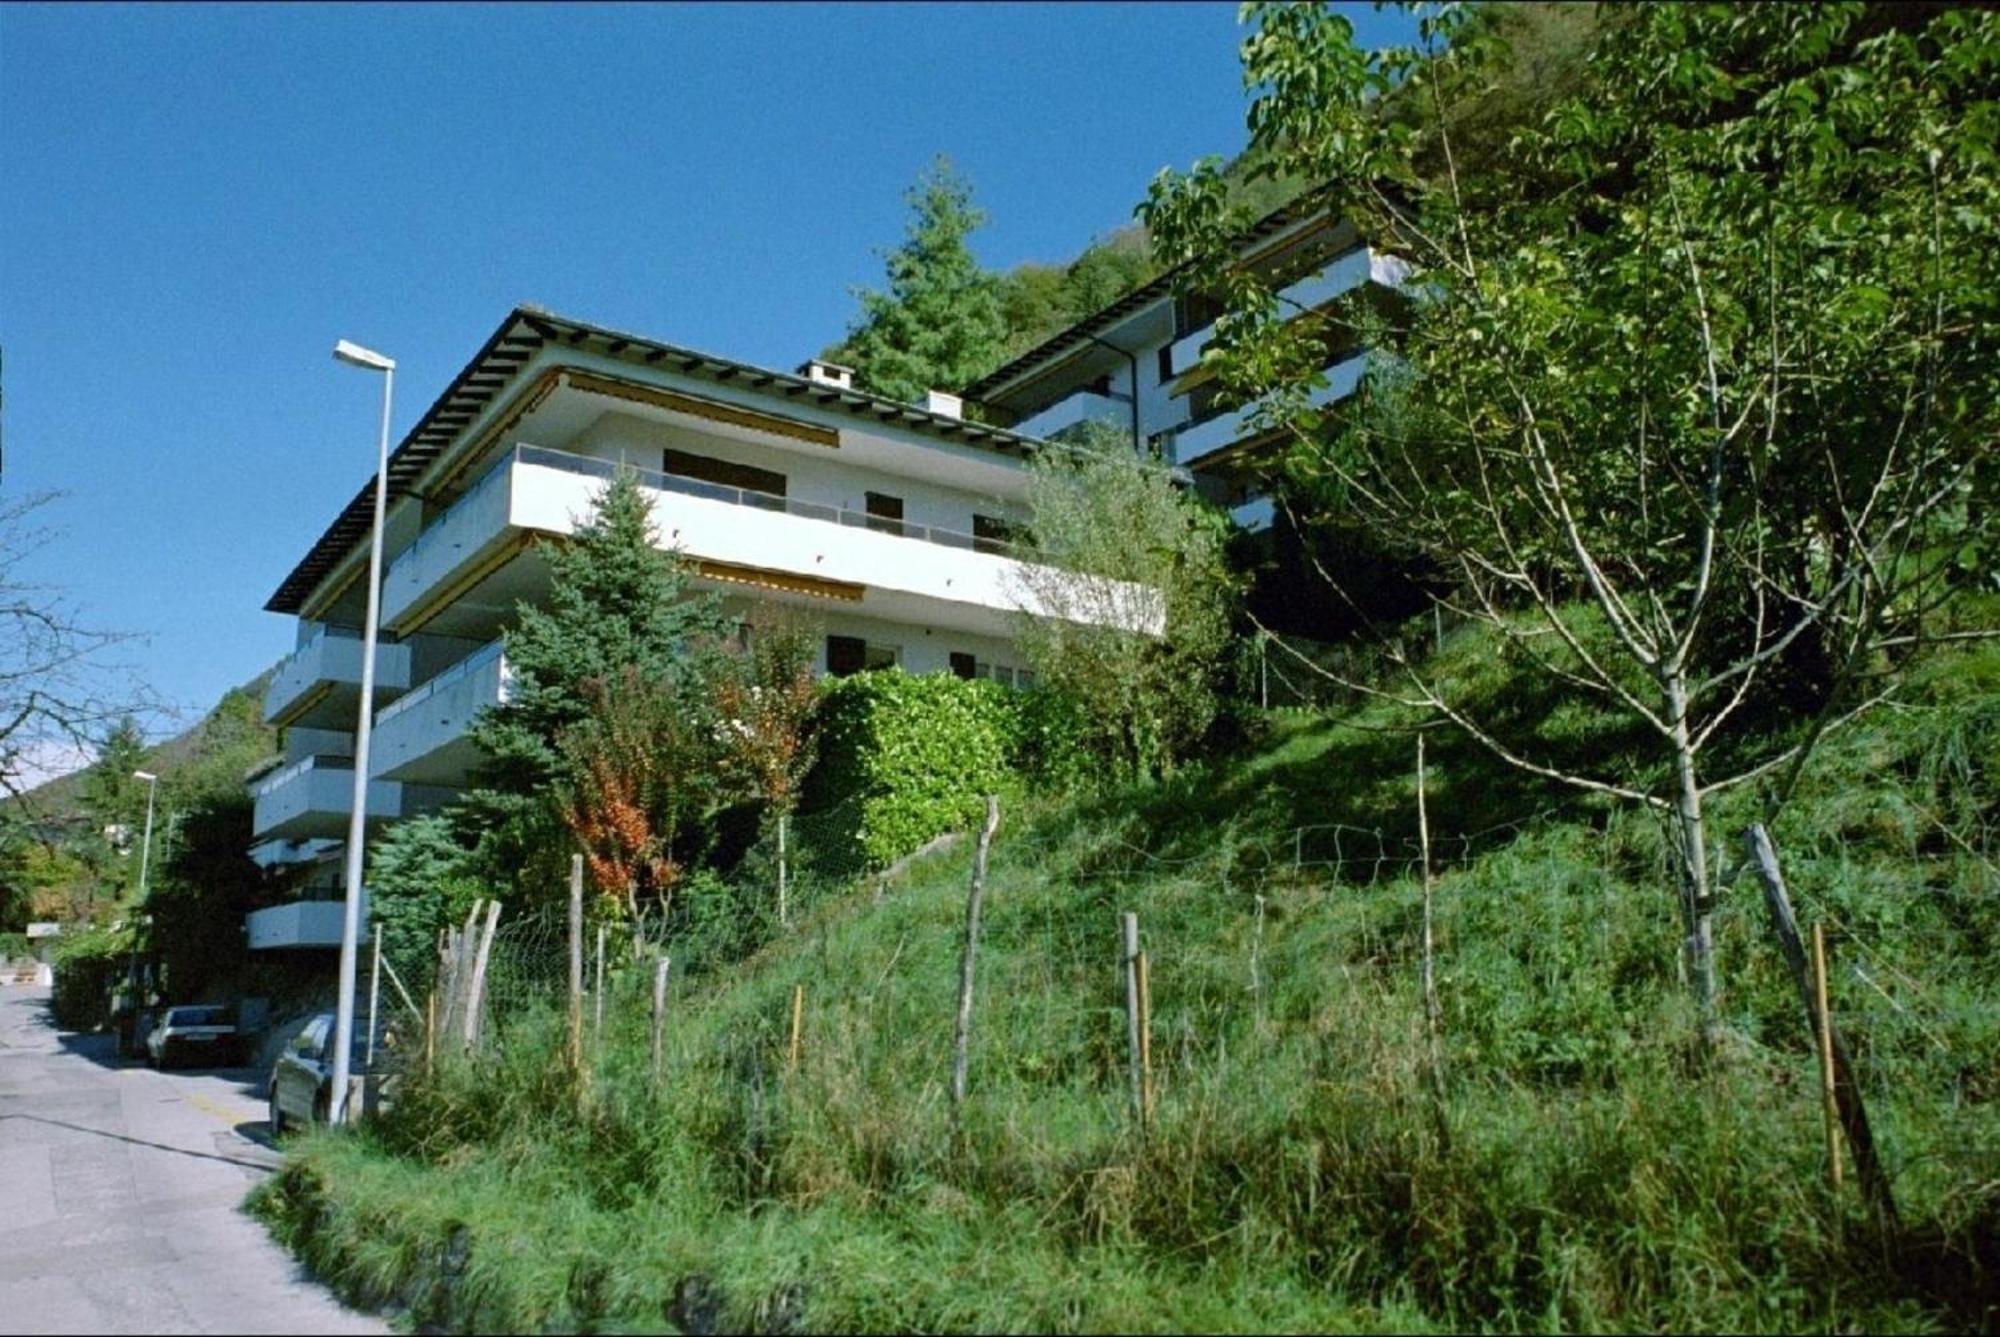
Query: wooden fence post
1145, 1041
597, 996
798, 1019
660, 1015
463, 942
1829, 1102
1433, 1014
962, 1030
475, 1002
1852, 1113
430, 1033
1256, 978
374, 1001
784, 825
576, 963
1129, 925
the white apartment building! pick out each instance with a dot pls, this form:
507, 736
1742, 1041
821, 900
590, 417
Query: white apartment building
888, 521
1137, 363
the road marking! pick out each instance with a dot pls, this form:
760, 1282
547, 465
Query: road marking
213, 1110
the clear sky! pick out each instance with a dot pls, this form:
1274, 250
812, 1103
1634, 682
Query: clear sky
196, 202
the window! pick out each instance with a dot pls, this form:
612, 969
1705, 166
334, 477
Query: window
711, 470
845, 655
848, 655
963, 665
1000, 673
992, 534
1195, 311
1166, 356
885, 513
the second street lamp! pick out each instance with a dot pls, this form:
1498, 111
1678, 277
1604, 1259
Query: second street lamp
146, 848
350, 922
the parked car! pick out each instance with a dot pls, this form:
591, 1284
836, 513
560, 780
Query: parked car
302, 1078
301, 1086
206, 1034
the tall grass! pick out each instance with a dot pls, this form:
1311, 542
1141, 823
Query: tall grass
1602, 1171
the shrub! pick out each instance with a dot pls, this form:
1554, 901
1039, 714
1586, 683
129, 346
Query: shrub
86, 963
915, 755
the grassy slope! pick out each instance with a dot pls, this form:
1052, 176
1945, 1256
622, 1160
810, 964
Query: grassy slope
1596, 1177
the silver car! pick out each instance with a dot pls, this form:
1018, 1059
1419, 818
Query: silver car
205, 1035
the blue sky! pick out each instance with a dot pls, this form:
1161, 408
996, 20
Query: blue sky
195, 202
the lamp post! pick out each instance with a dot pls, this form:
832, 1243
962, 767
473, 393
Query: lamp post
350, 924
146, 848
136, 994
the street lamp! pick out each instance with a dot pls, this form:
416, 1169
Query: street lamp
145, 861
146, 849
350, 923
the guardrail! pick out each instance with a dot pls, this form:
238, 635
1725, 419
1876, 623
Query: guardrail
316, 762
458, 672
661, 481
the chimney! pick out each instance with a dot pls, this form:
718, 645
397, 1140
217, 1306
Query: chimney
937, 401
827, 373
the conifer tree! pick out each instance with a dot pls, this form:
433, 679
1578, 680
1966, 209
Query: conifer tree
616, 602
940, 324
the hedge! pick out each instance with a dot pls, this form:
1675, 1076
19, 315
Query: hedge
87, 962
912, 757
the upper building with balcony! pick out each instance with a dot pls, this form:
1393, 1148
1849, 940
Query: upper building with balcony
890, 522
1137, 364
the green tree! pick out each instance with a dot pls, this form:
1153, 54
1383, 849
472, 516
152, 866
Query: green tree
1129, 600
619, 611
203, 881
115, 802
421, 877
616, 601
202, 886
1708, 347
939, 323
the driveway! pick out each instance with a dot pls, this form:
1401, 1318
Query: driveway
119, 1193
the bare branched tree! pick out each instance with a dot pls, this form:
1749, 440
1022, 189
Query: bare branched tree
59, 692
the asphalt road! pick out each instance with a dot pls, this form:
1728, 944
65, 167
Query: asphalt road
119, 1194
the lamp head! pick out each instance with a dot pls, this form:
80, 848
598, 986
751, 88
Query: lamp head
356, 356
147, 776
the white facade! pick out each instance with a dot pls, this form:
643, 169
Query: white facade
1137, 365
885, 524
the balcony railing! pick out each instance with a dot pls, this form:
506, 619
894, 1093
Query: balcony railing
661, 481
458, 672
1071, 409
1341, 274
1204, 438
317, 762
330, 660
474, 520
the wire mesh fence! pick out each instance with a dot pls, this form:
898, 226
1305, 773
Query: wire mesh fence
1886, 992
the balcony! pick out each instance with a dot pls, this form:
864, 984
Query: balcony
277, 852
1204, 439
1308, 294
954, 580
300, 924
319, 686
424, 735
1082, 406
313, 796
